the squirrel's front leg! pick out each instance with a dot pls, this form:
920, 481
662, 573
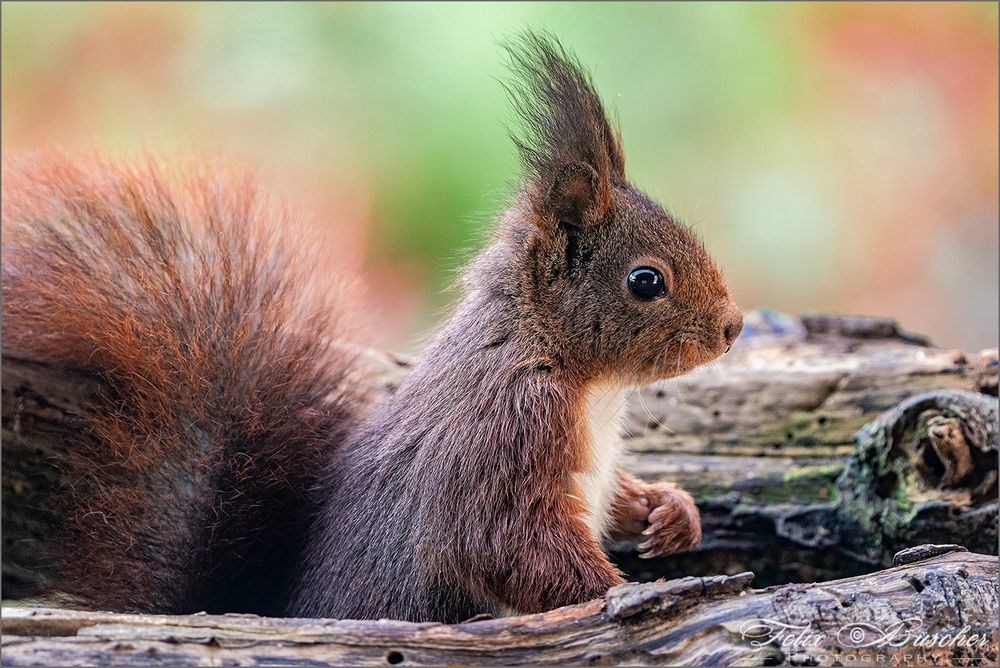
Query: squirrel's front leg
557, 563
662, 513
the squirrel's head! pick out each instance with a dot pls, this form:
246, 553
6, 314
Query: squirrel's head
601, 264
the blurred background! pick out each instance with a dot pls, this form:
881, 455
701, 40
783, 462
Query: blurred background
835, 157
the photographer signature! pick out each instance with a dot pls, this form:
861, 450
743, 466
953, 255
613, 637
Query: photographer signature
857, 635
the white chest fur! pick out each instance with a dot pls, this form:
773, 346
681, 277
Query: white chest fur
596, 484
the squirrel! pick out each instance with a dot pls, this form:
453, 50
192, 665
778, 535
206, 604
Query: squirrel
233, 463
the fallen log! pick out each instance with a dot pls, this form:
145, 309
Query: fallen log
762, 438
937, 606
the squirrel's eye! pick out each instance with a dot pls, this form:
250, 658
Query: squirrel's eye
646, 283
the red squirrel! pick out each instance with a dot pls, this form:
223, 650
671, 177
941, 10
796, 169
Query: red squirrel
233, 465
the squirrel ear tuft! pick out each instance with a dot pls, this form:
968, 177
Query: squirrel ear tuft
570, 152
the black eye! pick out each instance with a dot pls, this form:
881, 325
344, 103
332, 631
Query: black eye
646, 283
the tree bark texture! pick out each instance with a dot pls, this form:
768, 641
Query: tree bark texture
715, 620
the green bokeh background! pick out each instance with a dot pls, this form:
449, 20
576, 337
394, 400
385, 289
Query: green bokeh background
833, 156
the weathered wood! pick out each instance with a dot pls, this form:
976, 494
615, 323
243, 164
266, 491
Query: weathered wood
760, 438
925, 469
693, 621
763, 436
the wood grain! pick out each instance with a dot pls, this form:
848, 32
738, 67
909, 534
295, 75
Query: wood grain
692, 621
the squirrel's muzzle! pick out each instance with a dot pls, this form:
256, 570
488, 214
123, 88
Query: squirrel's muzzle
732, 325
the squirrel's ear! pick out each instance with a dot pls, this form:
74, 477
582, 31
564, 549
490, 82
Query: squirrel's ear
570, 151
577, 196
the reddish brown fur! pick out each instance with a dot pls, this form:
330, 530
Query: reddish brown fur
459, 494
223, 393
661, 512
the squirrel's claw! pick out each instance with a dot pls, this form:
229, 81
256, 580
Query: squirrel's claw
674, 523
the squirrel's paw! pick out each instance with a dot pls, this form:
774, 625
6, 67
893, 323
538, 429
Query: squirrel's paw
633, 517
673, 523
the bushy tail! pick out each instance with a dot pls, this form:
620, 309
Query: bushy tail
212, 321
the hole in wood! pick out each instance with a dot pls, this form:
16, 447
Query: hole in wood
394, 658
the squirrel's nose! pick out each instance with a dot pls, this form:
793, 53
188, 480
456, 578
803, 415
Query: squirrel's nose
733, 325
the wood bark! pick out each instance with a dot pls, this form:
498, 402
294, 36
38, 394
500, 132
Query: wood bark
714, 620
762, 438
